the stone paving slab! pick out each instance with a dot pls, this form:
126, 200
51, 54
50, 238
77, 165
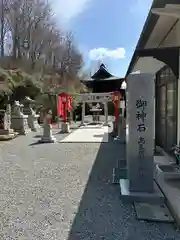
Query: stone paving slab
89, 133
153, 212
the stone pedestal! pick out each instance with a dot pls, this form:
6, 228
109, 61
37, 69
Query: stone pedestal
155, 197
47, 134
65, 127
20, 124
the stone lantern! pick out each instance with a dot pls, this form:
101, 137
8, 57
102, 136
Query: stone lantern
32, 116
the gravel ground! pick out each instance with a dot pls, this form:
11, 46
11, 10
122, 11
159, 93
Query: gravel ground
63, 191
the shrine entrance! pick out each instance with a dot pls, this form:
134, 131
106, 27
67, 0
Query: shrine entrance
99, 99
64, 105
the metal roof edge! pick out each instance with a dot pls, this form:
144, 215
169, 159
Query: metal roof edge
148, 27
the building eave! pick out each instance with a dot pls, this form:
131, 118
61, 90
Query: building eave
104, 79
147, 30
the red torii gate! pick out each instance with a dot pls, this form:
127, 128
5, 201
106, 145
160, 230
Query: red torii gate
64, 104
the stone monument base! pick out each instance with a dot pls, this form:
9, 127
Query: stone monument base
156, 197
46, 139
65, 127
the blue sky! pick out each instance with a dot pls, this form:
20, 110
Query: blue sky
104, 30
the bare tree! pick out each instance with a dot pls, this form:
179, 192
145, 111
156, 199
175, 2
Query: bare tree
4, 23
37, 39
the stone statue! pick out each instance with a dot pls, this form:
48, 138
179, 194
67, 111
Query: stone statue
32, 116
18, 119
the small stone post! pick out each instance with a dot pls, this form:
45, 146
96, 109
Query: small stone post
83, 113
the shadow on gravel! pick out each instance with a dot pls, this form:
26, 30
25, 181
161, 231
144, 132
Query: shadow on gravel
37, 143
99, 215
60, 133
75, 127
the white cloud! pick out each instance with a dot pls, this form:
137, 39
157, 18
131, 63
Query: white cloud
66, 10
102, 53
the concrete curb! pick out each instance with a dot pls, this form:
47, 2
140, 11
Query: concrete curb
161, 151
170, 199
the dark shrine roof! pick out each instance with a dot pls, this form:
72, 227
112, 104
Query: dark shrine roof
103, 81
102, 74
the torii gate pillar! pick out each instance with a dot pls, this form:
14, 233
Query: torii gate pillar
106, 113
